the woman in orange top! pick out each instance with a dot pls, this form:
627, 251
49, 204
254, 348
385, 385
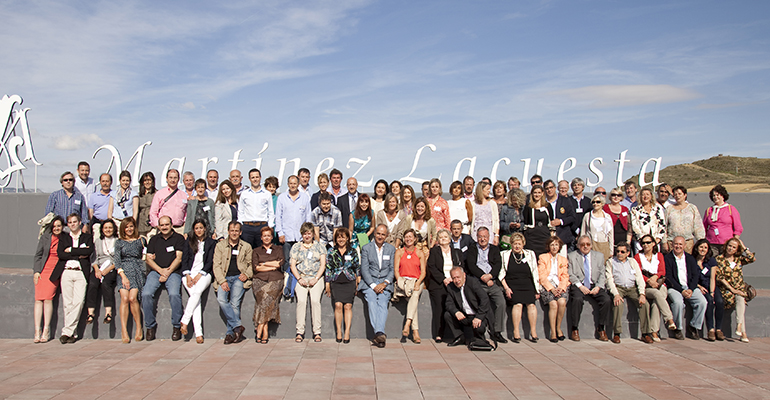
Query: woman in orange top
409, 272
554, 280
45, 290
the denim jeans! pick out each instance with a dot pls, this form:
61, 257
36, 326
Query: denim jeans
378, 308
173, 286
230, 302
696, 301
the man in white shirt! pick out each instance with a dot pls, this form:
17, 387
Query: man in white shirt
292, 210
377, 276
624, 281
212, 184
255, 210
335, 178
304, 181
84, 183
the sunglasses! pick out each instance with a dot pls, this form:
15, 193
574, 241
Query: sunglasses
536, 182
622, 252
647, 242
67, 180
616, 195
603, 193
596, 202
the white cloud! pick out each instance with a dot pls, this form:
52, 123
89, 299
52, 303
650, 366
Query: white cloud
605, 96
68, 142
188, 106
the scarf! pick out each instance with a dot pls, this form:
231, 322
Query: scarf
715, 211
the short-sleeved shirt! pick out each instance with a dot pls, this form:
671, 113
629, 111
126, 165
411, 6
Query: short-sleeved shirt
308, 260
165, 249
99, 203
326, 222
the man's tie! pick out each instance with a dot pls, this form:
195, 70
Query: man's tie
587, 270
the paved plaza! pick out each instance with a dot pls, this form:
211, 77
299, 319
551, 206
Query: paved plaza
589, 369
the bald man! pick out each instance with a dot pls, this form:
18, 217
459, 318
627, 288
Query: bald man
347, 202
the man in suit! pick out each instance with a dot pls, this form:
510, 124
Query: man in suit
588, 279
73, 269
580, 203
377, 274
461, 241
682, 282
347, 202
564, 214
467, 308
484, 262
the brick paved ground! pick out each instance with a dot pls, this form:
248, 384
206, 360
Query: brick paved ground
589, 369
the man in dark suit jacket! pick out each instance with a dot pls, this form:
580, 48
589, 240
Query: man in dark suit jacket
467, 308
588, 279
347, 202
461, 241
377, 276
74, 267
483, 261
564, 213
580, 203
682, 282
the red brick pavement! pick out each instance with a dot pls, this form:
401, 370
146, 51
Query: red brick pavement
162, 369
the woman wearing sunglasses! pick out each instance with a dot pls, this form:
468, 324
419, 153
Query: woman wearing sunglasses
621, 218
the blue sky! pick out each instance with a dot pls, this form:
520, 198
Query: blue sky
681, 80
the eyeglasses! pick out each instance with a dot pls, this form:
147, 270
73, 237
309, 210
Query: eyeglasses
616, 195
585, 244
603, 193
68, 180
596, 202
622, 251
647, 242
536, 182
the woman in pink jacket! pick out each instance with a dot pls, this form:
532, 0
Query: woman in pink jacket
554, 281
722, 220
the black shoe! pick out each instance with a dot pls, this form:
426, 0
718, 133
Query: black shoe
553, 340
381, 344
176, 334
72, 339
238, 334
150, 334
229, 339
693, 333
339, 340
516, 340
64, 339
403, 339
561, 338
458, 341
534, 339
346, 341
438, 340
499, 338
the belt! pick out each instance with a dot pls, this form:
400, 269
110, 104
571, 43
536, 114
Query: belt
72, 269
254, 223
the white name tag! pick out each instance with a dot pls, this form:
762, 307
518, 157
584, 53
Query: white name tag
185, 200
716, 231
436, 208
386, 257
77, 202
309, 254
348, 258
464, 249
625, 214
269, 251
144, 250
235, 252
206, 208
580, 210
82, 246
705, 271
170, 249
408, 256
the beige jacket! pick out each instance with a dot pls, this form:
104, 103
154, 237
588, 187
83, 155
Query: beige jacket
222, 262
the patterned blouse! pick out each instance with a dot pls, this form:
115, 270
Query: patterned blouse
733, 276
652, 223
686, 223
439, 211
338, 264
308, 260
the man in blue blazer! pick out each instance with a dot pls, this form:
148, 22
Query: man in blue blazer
460, 241
564, 214
682, 282
377, 274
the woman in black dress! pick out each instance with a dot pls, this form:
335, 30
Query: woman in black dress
621, 217
342, 278
521, 284
537, 217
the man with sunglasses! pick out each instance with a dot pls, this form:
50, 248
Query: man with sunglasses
624, 281
600, 190
67, 200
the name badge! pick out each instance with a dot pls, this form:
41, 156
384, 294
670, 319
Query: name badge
235, 252
77, 202
170, 249
408, 256
385, 257
348, 258
82, 246
705, 271
206, 208
269, 251
580, 210
144, 250
309, 254
716, 231
184, 201
464, 249
437, 208
625, 214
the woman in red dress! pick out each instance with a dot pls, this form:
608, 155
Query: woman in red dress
45, 290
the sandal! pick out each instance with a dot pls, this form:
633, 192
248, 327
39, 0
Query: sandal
37, 337
107, 319
265, 340
46, 334
299, 338
317, 338
90, 319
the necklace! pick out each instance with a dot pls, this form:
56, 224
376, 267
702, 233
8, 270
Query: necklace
518, 257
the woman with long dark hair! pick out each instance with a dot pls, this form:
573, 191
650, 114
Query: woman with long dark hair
715, 309
104, 277
267, 284
142, 203
197, 263
131, 270
45, 290
362, 221
342, 276
225, 208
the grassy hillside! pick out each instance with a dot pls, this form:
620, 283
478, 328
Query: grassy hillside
752, 172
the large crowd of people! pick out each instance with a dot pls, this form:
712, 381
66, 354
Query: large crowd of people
488, 248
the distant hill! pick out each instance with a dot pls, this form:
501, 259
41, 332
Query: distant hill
741, 173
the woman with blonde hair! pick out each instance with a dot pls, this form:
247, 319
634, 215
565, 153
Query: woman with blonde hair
537, 217
485, 213
648, 218
598, 225
391, 217
521, 284
729, 274
423, 224
409, 270
510, 212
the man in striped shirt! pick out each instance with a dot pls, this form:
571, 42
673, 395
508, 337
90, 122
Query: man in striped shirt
67, 200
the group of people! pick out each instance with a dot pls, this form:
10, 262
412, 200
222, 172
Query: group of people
490, 247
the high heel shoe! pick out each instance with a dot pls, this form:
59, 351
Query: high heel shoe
139, 336
416, 337
516, 340
37, 336
339, 340
125, 338
45, 336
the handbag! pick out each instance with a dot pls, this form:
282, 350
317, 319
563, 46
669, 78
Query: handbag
363, 239
479, 344
750, 292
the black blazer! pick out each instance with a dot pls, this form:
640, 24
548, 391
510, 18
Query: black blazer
435, 266
466, 242
585, 206
314, 200
343, 203
208, 255
672, 272
565, 211
42, 252
495, 260
86, 248
476, 296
